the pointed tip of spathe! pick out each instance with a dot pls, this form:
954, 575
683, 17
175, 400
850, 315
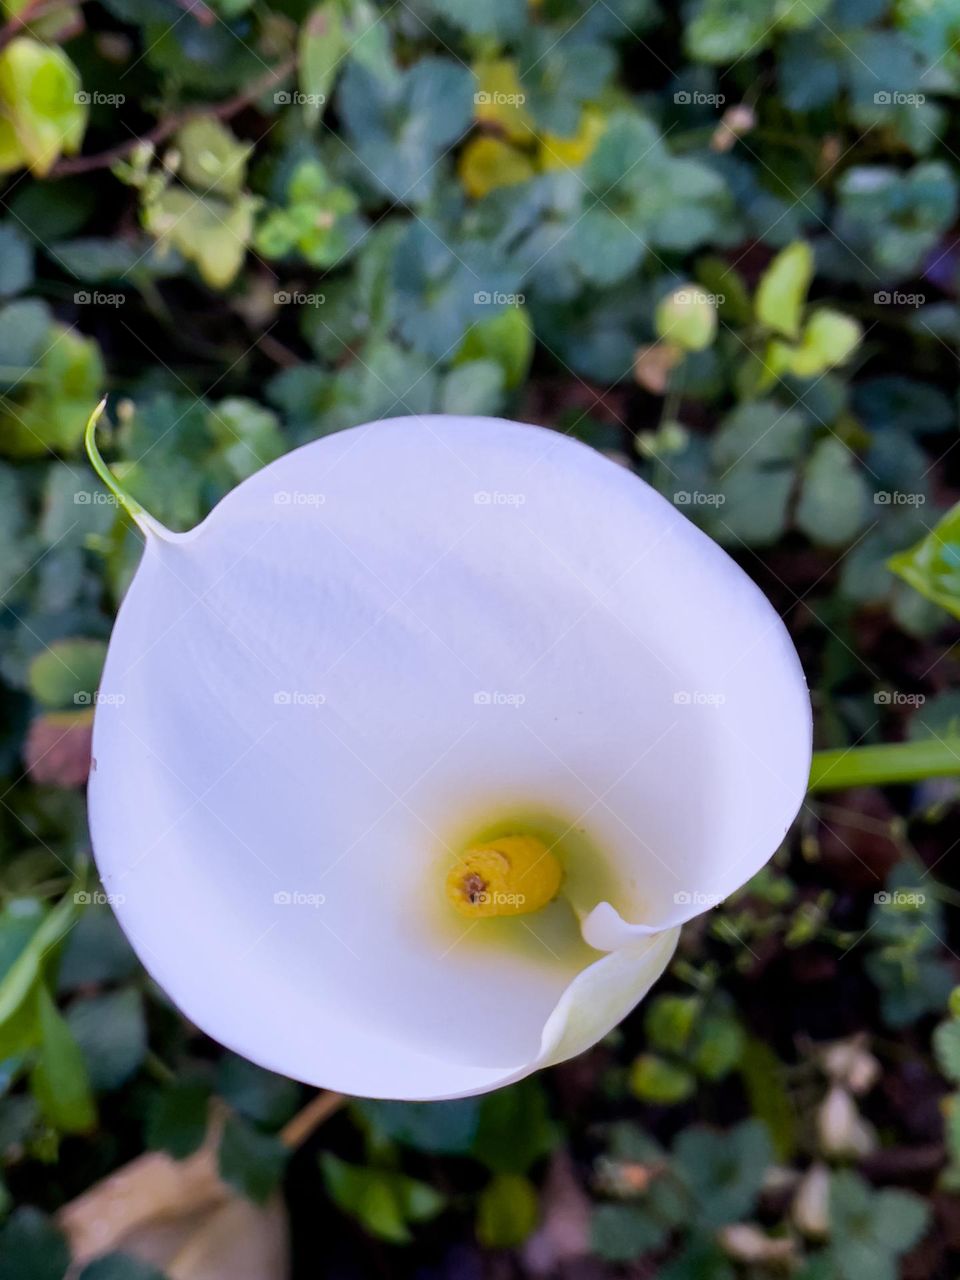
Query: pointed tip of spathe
144, 521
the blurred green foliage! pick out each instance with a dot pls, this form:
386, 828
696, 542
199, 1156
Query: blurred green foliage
717, 242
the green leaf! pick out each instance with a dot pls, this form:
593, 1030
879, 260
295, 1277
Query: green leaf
473, 388
32, 1248
506, 338
322, 45
669, 1022
770, 1101
623, 1232
18, 1010
782, 291
16, 261
209, 232
260, 1095
43, 107
932, 566
719, 1047
654, 1079
176, 1119
383, 1201
507, 1211
66, 673
59, 1077
514, 1129
212, 161
251, 1161
900, 1219
946, 1048
834, 496
112, 1035
725, 1171
443, 1128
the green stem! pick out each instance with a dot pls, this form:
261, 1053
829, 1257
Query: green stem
129, 504
885, 764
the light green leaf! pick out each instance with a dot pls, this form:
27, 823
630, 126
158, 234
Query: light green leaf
932, 566
507, 1211
654, 1079
782, 291
66, 673
59, 1078
44, 113
212, 161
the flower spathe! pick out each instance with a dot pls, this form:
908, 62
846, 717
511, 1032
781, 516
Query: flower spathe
407, 644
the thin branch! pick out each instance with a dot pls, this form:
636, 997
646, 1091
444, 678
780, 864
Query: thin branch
169, 126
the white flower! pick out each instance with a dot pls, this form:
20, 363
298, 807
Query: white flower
431, 736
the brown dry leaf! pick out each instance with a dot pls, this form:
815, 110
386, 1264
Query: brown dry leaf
179, 1216
564, 1231
57, 750
652, 365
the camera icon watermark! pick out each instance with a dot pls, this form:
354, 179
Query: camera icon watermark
896, 98
693, 98
495, 698
698, 698
84, 98
496, 498
895, 698
298, 898
285, 298
697, 498
897, 298
97, 898
298, 698
85, 298
897, 498
693, 898
294, 98
298, 498
902, 898
94, 698
484, 298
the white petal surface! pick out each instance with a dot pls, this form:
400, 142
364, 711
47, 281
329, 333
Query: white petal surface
391, 636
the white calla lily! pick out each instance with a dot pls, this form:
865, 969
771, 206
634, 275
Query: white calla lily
328, 711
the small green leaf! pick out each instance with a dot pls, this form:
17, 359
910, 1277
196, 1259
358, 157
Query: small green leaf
946, 1047
322, 46
66, 673
382, 1200
782, 291
44, 112
249, 1160
59, 1078
834, 496
507, 1211
212, 161
32, 1248
654, 1079
623, 1232
177, 1118
669, 1021
932, 566
514, 1129
111, 1032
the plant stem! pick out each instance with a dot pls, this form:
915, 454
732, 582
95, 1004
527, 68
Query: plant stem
885, 764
